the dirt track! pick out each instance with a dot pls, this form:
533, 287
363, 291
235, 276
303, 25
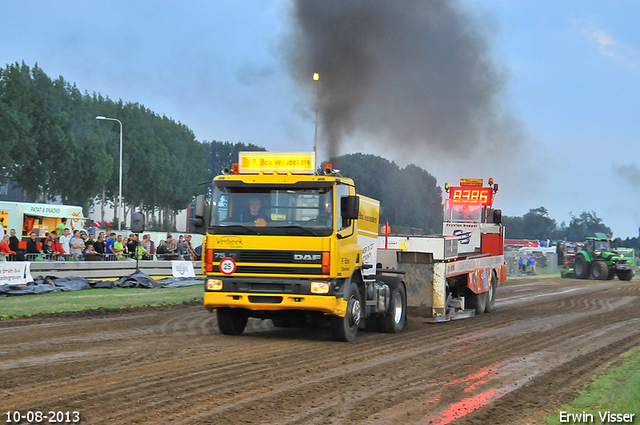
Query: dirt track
170, 365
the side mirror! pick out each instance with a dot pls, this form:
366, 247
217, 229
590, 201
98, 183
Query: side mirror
350, 207
199, 211
497, 216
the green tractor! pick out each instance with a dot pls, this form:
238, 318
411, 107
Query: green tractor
597, 258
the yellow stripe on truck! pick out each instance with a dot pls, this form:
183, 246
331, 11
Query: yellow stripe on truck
325, 304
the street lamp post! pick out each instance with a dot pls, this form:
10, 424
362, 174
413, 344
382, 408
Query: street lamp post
316, 77
120, 178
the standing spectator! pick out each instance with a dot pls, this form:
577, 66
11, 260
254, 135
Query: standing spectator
65, 242
44, 240
110, 243
181, 246
47, 249
173, 247
162, 248
190, 250
14, 245
131, 244
118, 248
90, 240
32, 245
62, 226
56, 247
151, 247
141, 252
77, 245
532, 263
4, 248
521, 263
98, 246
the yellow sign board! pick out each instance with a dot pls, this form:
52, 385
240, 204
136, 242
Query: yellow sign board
269, 162
471, 182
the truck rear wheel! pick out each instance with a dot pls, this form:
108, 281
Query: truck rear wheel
582, 269
478, 302
491, 297
625, 274
231, 321
345, 328
393, 321
599, 270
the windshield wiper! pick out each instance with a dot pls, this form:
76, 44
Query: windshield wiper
238, 227
304, 229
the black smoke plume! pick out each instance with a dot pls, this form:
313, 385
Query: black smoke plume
416, 73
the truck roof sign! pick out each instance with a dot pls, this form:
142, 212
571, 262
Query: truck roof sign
270, 162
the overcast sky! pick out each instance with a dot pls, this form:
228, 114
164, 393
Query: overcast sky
565, 99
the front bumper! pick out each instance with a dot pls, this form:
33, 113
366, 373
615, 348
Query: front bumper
276, 302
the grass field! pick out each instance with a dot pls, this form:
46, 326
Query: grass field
617, 392
96, 298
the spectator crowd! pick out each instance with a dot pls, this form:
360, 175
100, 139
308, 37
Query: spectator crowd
82, 245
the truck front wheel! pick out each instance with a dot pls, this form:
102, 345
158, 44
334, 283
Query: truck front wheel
345, 328
231, 321
393, 320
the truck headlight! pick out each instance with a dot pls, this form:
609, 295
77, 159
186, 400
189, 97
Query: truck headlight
319, 287
213, 285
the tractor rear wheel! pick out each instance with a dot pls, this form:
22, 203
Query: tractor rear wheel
582, 269
599, 270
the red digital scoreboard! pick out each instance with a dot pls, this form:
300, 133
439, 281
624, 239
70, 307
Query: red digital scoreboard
471, 195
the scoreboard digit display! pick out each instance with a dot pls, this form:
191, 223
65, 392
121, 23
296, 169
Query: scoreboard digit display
467, 194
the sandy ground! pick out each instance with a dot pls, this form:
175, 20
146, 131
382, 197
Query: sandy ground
163, 365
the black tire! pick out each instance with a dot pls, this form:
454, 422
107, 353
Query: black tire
491, 297
612, 274
231, 321
478, 302
581, 269
345, 328
599, 270
625, 274
393, 321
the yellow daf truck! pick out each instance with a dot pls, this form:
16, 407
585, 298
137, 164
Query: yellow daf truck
297, 247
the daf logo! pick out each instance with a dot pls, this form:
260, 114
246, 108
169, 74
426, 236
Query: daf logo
306, 257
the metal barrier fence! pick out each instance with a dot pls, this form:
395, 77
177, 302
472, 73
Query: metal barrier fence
91, 256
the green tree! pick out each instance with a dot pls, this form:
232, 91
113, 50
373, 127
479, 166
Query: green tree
587, 224
224, 154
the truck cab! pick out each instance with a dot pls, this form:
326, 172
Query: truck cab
295, 247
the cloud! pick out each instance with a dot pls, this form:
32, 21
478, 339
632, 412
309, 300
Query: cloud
611, 47
630, 173
605, 41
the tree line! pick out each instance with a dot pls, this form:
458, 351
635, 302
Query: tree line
53, 148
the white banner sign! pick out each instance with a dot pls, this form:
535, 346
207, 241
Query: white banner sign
15, 273
182, 269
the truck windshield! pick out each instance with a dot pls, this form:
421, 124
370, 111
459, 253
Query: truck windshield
297, 212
